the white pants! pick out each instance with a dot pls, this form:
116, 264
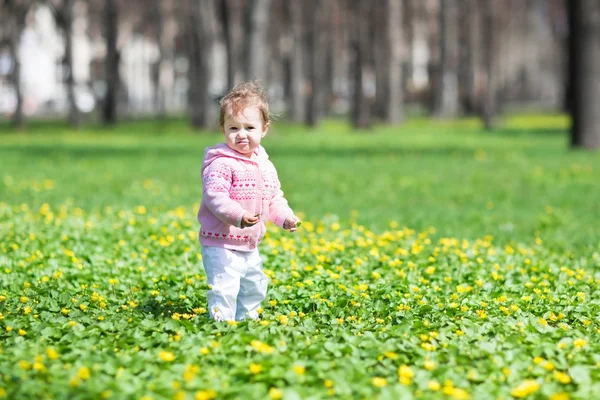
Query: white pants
238, 284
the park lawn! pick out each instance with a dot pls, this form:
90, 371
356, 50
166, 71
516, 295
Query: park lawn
436, 261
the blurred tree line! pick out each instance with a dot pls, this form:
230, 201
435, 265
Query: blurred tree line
368, 60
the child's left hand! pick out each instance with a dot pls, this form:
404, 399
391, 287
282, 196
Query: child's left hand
291, 223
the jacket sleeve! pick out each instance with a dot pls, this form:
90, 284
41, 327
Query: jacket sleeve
279, 210
216, 180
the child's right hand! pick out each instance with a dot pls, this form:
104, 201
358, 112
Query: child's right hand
249, 219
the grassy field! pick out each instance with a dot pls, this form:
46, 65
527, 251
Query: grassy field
436, 261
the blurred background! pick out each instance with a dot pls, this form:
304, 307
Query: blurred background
365, 61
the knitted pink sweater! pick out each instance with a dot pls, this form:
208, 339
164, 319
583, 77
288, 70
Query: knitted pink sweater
234, 184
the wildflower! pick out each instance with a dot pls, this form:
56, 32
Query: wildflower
261, 347
299, 369
83, 373
434, 385
379, 382
51, 353
166, 356
275, 393
205, 395
525, 388
405, 374
429, 365
579, 343
255, 368
561, 377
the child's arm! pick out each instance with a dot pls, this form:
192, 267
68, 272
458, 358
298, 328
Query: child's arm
216, 180
279, 210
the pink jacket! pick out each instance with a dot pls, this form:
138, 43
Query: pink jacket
232, 185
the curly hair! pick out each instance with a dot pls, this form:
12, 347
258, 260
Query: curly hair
243, 95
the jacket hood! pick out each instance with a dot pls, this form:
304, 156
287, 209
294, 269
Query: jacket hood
222, 150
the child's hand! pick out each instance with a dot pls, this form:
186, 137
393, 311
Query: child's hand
291, 223
249, 219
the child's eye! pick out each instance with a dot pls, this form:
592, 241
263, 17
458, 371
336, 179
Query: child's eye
233, 128
250, 128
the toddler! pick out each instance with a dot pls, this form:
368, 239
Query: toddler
241, 192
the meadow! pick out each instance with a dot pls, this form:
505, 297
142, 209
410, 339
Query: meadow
435, 261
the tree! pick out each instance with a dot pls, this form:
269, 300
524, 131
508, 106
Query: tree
233, 22
317, 46
14, 13
297, 98
468, 35
159, 96
258, 53
361, 107
112, 80
393, 109
446, 95
488, 107
63, 15
202, 31
584, 72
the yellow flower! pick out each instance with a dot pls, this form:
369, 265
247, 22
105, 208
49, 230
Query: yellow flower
391, 355
83, 373
51, 353
559, 396
561, 377
190, 372
525, 388
379, 382
261, 347
299, 369
579, 343
405, 374
429, 365
25, 365
255, 368
22, 332
204, 351
434, 385
205, 395
3, 393
328, 383
166, 356
275, 393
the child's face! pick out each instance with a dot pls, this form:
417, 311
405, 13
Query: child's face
244, 131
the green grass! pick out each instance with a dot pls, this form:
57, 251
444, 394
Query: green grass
515, 184
436, 261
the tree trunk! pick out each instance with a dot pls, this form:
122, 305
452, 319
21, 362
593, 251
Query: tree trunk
297, 103
393, 109
159, 95
488, 108
111, 25
234, 36
13, 16
67, 13
466, 69
257, 40
317, 47
18, 119
381, 46
202, 31
584, 72
361, 109
446, 99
